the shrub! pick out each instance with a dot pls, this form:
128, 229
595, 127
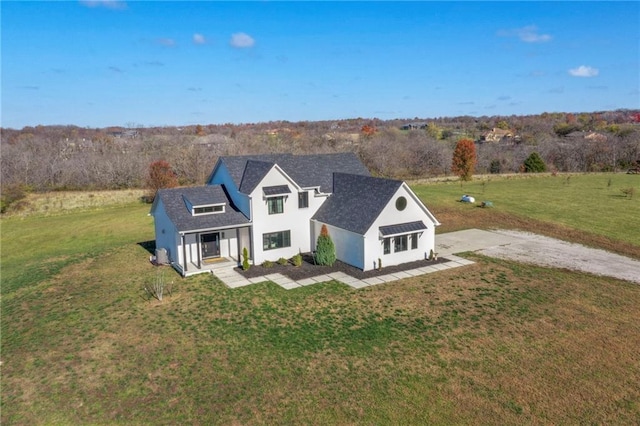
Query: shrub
267, 264
325, 249
495, 167
245, 259
628, 192
534, 164
282, 261
297, 260
11, 194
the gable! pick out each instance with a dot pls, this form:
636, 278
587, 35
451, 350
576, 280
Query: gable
356, 201
180, 203
360, 202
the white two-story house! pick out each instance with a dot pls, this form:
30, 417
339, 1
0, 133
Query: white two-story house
274, 206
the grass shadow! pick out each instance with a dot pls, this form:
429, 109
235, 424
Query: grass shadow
149, 246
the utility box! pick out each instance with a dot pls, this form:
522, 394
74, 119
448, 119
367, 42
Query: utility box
161, 256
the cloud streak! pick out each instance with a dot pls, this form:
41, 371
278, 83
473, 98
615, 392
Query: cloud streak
584, 71
108, 4
199, 39
528, 34
241, 41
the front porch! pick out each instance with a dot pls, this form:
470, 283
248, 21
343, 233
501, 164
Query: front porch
204, 251
207, 266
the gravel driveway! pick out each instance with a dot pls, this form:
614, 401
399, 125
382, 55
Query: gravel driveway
526, 247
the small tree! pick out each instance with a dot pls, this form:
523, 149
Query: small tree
325, 249
161, 176
534, 164
464, 159
245, 259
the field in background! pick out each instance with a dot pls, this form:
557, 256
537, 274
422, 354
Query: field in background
493, 343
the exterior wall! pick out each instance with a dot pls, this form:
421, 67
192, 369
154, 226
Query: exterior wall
293, 219
391, 216
221, 176
349, 245
165, 231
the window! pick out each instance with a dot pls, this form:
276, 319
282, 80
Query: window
414, 241
401, 203
276, 240
208, 209
303, 200
400, 243
387, 245
275, 205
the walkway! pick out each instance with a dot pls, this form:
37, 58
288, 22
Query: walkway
232, 279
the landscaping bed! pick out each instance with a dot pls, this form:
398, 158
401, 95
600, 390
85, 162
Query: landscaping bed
309, 269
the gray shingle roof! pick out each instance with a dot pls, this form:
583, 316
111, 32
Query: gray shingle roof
402, 228
308, 171
356, 201
178, 212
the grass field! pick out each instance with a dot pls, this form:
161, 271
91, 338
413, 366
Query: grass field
493, 343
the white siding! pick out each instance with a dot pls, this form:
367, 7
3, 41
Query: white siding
349, 245
414, 211
293, 219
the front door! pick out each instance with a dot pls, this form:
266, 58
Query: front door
210, 244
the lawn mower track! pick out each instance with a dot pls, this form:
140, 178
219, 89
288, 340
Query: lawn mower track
539, 250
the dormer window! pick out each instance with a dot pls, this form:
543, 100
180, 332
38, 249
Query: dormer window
201, 210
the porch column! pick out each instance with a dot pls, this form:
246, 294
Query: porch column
198, 242
184, 256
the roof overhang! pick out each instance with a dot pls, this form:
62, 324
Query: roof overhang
274, 191
402, 228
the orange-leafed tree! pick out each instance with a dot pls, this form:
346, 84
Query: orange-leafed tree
464, 159
161, 175
368, 130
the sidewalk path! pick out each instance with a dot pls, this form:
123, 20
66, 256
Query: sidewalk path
226, 273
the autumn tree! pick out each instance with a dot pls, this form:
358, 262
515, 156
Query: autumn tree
325, 249
464, 159
368, 130
161, 176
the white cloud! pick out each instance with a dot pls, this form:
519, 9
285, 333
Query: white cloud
241, 40
109, 4
167, 42
584, 71
199, 39
528, 34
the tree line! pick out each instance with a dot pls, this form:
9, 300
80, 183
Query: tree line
45, 158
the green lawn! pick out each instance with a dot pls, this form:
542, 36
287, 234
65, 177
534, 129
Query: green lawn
592, 203
492, 343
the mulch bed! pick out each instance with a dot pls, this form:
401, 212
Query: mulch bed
308, 269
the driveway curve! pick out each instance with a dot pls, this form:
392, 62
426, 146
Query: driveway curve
536, 249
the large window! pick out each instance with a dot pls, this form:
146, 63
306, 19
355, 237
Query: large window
387, 245
275, 240
400, 243
275, 205
414, 241
303, 200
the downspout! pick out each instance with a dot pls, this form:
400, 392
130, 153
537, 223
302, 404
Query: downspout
184, 256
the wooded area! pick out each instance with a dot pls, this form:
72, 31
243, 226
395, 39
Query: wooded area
44, 158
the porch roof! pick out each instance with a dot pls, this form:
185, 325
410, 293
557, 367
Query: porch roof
402, 228
180, 215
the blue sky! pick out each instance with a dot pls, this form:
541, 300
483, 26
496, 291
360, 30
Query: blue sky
115, 63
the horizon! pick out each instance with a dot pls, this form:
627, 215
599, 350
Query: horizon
157, 64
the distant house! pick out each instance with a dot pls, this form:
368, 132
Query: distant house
497, 135
415, 126
275, 205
